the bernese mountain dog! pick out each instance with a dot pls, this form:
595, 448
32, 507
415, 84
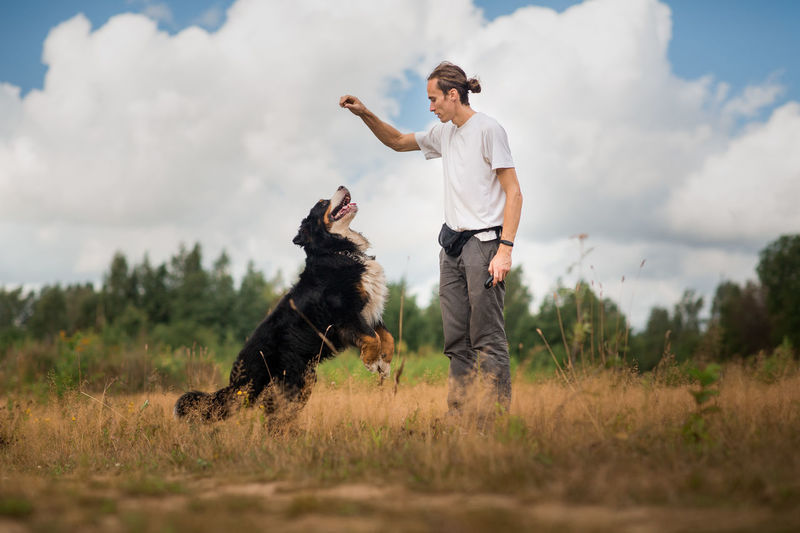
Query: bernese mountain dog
337, 302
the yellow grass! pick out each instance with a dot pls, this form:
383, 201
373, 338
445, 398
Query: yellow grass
606, 452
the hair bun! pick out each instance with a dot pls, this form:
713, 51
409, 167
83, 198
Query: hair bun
474, 85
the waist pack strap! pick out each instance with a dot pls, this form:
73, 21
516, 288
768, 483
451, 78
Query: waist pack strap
453, 241
498, 230
472, 232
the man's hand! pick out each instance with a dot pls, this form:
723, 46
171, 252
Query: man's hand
500, 264
386, 133
353, 104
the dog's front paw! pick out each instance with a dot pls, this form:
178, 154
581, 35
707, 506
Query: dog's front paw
384, 368
377, 351
379, 365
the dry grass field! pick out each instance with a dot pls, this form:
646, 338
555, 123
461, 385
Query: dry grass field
600, 451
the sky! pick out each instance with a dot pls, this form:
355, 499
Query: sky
667, 132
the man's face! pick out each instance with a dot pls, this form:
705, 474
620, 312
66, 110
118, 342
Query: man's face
443, 105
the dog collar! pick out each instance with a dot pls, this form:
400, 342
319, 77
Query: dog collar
357, 257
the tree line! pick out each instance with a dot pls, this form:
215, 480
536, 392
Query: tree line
182, 303
178, 302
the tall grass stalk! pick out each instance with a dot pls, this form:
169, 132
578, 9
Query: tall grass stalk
399, 344
570, 384
630, 306
567, 353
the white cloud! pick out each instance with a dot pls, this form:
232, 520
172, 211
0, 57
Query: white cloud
158, 11
753, 100
139, 137
140, 140
10, 109
747, 194
210, 18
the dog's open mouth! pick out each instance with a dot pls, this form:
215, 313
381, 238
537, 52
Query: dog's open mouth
344, 207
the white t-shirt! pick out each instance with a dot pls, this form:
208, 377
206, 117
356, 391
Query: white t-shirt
471, 155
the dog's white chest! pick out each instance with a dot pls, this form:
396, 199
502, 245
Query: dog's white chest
374, 286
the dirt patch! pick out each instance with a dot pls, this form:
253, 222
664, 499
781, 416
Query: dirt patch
209, 504
364, 507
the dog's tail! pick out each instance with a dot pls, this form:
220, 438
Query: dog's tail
203, 405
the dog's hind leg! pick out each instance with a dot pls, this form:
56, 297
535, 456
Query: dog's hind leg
191, 403
205, 406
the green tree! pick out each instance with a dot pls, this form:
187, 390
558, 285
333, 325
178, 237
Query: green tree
649, 345
686, 325
739, 320
414, 327
779, 272
682, 330
432, 320
592, 328
190, 287
154, 295
119, 288
520, 324
15, 309
49, 313
83, 303
223, 295
253, 301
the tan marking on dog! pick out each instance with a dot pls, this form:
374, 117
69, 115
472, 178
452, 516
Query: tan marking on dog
387, 351
387, 343
373, 287
370, 346
373, 282
358, 239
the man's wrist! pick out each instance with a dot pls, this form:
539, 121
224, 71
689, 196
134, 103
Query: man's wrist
505, 251
506, 242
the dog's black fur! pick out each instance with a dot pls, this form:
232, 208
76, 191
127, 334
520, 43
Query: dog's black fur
339, 296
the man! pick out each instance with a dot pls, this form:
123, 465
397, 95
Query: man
481, 192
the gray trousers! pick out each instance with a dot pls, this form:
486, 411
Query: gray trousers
474, 329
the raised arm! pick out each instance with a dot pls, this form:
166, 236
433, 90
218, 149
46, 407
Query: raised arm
386, 133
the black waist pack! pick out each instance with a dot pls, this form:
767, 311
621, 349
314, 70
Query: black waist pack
453, 241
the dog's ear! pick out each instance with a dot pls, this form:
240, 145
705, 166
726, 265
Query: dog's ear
311, 226
307, 230
303, 236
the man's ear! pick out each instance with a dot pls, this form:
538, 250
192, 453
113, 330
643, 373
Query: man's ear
453, 95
